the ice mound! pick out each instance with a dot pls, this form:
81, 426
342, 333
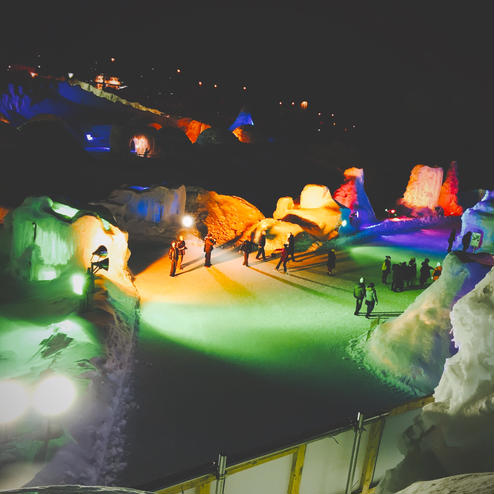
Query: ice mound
454, 434
412, 348
317, 212
480, 221
351, 194
423, 189
276, 234
226, 217
448, 197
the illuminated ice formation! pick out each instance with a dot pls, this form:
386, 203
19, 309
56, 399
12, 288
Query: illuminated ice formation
47, 239
480, 221
453, 435
448, 197
423, 189
243, 118
412, 348
317, 213
226, 217
276, 233
351, 194
147, 210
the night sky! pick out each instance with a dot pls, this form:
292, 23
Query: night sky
415, 77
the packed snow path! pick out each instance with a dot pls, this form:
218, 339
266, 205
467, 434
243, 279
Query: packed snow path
238, 360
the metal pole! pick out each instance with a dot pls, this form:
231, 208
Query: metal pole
220, 474
354, 457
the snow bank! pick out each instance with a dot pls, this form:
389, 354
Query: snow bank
148, 212
480, 221
75, 489
412, 348
453, 435
423, 189
226, 217
472, 483
317, 212
352, 195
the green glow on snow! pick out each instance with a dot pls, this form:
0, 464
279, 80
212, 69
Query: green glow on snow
64, 210
78, 281
47, 273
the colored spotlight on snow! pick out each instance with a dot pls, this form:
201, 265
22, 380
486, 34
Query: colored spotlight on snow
187, 221
89, 137
344, 223
13, 401
54, 395
47, 273
78, 282
64, 210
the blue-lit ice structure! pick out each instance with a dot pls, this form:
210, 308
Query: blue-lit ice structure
243, 118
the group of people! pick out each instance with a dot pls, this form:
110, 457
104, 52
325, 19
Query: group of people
362, 292
176, 255
403, 274
287, 252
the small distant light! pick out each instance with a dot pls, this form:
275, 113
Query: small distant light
33, 74
319, 114
344, 223
244, 88
70, 75
280, 102
332, 114
187, 221
393, 211
293, 103
345, 130
14, 402
178, 71
334, 123
353, 126
304, 105
112, 59
215, 85
89, 137
318, 130
200, 83
78, 282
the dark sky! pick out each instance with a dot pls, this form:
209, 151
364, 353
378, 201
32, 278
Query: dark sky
410, 73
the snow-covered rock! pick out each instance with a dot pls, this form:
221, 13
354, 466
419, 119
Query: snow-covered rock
316, 212
454, 434
351, 194
423, 189
471, 483
412, 348
480, 221
227, 218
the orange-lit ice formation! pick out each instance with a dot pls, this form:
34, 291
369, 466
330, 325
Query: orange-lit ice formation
423, 189
448, 198
316, 213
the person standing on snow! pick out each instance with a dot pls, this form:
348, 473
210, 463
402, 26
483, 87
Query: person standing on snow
283, 258
425, 272
359, 295
209, 242
465, 241
181, 251
173, 256
370, 299
246, 248
451, 239
291, 246
331, 261
262, 244
386, 269
412, 272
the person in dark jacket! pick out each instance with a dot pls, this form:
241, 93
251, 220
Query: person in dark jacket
246, 248
465, 241
173, 256
425, 272
402, 276
181, 251
451, 239
412, 272
386, 269
331, 261
370, 299
395, 280
209, 242
261, 245
359, 295
291, 246
283, 258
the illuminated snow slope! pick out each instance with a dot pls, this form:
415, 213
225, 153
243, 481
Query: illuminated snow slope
454, 434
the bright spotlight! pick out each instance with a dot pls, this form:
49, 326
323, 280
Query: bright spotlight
187, 221
89, 137
14, 401
78, 282
54, 395
344, 223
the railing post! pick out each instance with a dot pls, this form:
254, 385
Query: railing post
371, 453
220, 474
354, 457
296, 471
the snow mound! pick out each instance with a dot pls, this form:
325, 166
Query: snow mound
454, 434
473, 483
276, 234
480, 221
75, 489
412, 348
226, 217
317, 212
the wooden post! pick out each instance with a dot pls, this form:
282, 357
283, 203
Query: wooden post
296, 471
370, 459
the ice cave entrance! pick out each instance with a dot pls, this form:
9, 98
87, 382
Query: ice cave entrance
139, 144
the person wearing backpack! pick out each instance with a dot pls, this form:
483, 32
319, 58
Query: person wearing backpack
359, 294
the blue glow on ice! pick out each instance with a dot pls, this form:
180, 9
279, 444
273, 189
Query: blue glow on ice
138, 187
89, 137
243, 118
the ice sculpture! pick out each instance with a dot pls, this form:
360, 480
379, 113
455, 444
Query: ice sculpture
480, 221
423, 189
448, 197
317, 213
243, 118
351, 194
453, 435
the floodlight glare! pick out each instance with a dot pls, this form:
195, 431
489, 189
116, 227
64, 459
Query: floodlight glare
54, 395
344, 223
78, 282
14, 401
187, 221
